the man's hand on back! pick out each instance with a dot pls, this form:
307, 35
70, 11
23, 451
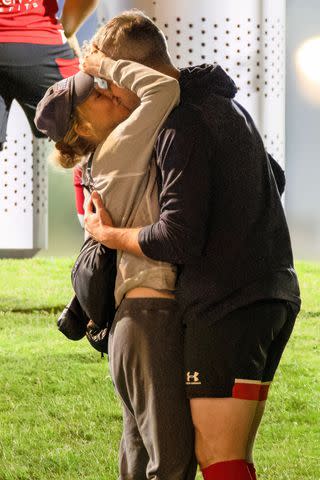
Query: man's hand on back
98, 224
96, 219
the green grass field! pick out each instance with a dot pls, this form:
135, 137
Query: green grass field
60, 419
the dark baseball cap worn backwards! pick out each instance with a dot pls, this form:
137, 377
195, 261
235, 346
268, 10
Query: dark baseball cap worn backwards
54, 112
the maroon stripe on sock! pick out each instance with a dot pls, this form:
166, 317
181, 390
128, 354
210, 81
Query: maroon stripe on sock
250, 391
252, 471
230, 470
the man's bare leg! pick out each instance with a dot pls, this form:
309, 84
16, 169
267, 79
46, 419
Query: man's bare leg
223, 428
252, 436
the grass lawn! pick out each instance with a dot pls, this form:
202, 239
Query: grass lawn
60, 419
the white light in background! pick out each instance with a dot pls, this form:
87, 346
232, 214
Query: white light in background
308, 69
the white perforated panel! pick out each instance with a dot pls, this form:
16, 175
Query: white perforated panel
23, 187
41, 150
247, 38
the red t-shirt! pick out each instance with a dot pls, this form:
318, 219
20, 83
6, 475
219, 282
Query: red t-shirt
78, 189
30, 21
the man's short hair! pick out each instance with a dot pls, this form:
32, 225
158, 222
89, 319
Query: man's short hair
133, 36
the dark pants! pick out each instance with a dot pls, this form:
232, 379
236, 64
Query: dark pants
241, 350
146, 363
26, 72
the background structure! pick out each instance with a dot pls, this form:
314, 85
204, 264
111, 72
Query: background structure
252, 48
303, 127
247, 39
302, 143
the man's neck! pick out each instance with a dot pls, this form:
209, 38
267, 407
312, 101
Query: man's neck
169, 70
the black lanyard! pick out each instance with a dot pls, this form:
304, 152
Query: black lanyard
88, 182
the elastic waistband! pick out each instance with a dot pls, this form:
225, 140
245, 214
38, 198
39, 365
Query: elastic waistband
148, 303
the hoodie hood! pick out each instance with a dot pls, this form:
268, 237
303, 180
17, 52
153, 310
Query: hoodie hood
206, 80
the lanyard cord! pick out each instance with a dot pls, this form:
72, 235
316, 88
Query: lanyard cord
89, 183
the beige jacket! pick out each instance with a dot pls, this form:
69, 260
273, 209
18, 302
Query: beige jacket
124, 173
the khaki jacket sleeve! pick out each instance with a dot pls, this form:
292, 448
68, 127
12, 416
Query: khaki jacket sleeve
131, 143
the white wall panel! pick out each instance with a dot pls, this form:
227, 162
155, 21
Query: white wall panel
23, 189
247, 38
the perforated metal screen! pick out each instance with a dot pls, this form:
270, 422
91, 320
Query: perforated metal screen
23, 188
247, 38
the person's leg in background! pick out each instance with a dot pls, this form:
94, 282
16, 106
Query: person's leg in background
27, 71
146, 364
55, 63
79, 194
247, 346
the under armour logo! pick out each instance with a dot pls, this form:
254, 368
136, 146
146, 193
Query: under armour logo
193, 378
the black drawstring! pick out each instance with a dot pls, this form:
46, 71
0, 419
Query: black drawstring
88, 182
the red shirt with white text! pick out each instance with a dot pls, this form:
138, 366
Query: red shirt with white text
30, 21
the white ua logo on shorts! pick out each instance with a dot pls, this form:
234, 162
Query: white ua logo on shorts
193, 378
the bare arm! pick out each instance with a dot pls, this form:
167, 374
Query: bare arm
74, 13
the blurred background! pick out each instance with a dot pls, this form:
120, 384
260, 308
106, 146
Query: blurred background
303, 126
302, 200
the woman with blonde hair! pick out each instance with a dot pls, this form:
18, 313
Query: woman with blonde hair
146, 339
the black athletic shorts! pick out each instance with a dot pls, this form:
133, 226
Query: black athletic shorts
238, 355
26, 72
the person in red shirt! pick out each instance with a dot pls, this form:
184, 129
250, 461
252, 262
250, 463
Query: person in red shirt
36, 50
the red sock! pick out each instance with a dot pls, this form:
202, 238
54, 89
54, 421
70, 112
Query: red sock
231, 470
252, 471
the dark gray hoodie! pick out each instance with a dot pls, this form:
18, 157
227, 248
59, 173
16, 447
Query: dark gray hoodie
221, 217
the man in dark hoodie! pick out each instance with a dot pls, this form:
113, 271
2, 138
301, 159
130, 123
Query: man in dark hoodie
222, 222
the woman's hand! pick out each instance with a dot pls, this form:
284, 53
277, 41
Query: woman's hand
90, 64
